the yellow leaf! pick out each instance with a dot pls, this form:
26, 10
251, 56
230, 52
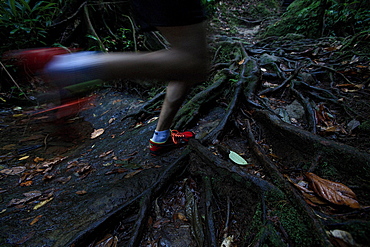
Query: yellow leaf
40, 204
24, 157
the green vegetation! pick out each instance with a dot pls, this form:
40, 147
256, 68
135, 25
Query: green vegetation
281, 212
323, 18
209, 6
365, 126
328, 171
29, 24
291, 220
24, 23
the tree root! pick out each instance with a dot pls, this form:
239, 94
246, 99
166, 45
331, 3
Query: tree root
143, 200
282, 85
264, 188
281, 182
310, 112
210, 232
214, 134
192, 108
273, 188
143, 111
344, 157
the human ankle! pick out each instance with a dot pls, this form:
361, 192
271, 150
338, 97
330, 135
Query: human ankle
160, 136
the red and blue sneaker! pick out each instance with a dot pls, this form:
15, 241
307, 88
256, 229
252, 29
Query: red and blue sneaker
176, 139
73, 74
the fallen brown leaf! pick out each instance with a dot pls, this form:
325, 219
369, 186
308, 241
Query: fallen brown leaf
63, 180
131, 174
334, 192
35, 220
38, 159
96, 133
105, 153
51, 162
107, 241
81, 192
27, 183
179, 216
313, 199
13, 171
118, 170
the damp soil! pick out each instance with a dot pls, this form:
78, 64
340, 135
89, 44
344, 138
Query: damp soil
72, 190
83, 178
86, 189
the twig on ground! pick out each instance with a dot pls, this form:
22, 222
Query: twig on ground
16, 84
310, 113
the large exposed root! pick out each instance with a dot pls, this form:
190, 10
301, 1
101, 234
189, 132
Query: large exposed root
251, 90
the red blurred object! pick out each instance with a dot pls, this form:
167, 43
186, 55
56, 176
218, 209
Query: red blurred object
70, 108
34, 60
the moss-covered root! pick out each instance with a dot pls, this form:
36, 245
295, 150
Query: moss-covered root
192, 108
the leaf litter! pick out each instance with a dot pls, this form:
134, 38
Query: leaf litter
319, 191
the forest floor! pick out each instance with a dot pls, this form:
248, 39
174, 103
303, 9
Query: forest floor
292, 111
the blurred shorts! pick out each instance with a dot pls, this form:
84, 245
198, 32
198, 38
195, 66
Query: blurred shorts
166, 13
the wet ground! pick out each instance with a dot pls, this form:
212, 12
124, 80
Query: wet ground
63, 180
81, 180
56, 180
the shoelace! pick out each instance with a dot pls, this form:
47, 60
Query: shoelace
175, 134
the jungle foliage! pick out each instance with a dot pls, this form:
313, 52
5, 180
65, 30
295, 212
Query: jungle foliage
27, 24
320, 18
24, 23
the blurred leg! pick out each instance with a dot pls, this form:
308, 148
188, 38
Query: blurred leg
186, 60
185, 63
190, 41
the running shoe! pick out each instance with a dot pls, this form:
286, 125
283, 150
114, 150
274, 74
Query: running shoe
33, 61
71, 69
73, 75
176, 139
